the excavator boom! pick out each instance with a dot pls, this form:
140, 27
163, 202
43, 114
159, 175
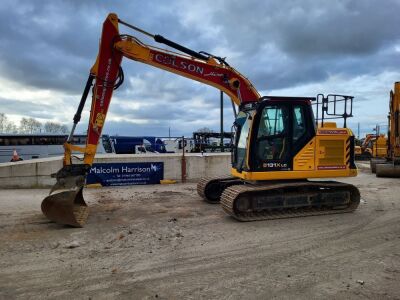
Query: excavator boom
211, 72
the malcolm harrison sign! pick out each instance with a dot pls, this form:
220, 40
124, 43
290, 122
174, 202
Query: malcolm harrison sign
126, 173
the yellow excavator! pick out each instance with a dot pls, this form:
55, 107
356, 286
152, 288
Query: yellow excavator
373, 146
390, 165
278, 142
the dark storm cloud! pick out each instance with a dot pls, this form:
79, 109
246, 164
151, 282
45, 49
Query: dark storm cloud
310, 39
308, 27
340, 28
52, 44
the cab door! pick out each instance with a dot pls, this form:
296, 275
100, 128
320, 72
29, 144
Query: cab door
272, 140
283, 128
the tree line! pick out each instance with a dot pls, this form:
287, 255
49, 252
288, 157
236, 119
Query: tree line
30, 125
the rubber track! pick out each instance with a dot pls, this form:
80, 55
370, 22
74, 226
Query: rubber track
231, 193
202, 184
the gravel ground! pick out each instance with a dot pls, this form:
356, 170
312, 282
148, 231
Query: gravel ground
148, 242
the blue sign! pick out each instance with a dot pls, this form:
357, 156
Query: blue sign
126, 173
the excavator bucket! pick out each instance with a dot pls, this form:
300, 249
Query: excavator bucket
67, 207
65, 203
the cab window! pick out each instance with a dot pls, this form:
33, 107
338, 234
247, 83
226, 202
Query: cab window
272, 139
272, 121
299, 128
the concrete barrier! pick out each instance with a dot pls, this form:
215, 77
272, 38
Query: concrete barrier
36, 173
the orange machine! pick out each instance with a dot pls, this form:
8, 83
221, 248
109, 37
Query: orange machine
277, 143
390, 166
372, 146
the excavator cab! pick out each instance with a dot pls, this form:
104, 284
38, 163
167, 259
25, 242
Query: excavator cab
278, 147
272, 132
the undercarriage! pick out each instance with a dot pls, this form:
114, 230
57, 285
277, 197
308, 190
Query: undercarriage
252, 201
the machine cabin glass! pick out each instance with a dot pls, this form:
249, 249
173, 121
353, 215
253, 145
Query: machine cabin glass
242, 128
271, 137
284, 127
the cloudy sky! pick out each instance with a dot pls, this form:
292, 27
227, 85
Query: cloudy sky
285, 47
